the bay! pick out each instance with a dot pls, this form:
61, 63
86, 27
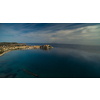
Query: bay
63, 61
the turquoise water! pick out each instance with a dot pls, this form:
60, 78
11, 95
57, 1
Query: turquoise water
63, 61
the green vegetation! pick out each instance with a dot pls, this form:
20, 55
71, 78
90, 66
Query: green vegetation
12, 44
1, 50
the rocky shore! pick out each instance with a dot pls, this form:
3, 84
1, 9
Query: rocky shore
7, 47
46, 47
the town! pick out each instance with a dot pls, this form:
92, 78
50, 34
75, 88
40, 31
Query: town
7, 47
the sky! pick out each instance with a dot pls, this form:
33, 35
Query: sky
67, 33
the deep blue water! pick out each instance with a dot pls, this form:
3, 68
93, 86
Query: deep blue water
63, 61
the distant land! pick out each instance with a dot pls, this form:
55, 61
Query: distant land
10, 46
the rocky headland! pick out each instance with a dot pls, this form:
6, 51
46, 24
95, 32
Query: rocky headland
11, 46
46, 47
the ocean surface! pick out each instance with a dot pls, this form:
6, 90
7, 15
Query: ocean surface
63, 61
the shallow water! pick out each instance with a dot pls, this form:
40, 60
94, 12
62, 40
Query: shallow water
63, 61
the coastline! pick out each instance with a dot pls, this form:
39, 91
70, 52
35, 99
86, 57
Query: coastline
44, 47
13, 50
5, 52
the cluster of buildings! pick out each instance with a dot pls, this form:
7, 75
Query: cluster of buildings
5, 47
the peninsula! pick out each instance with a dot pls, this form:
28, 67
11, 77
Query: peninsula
11, 46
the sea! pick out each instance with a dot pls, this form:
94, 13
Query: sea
62, 61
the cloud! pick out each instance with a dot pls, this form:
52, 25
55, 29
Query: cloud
51, 33
83, 35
